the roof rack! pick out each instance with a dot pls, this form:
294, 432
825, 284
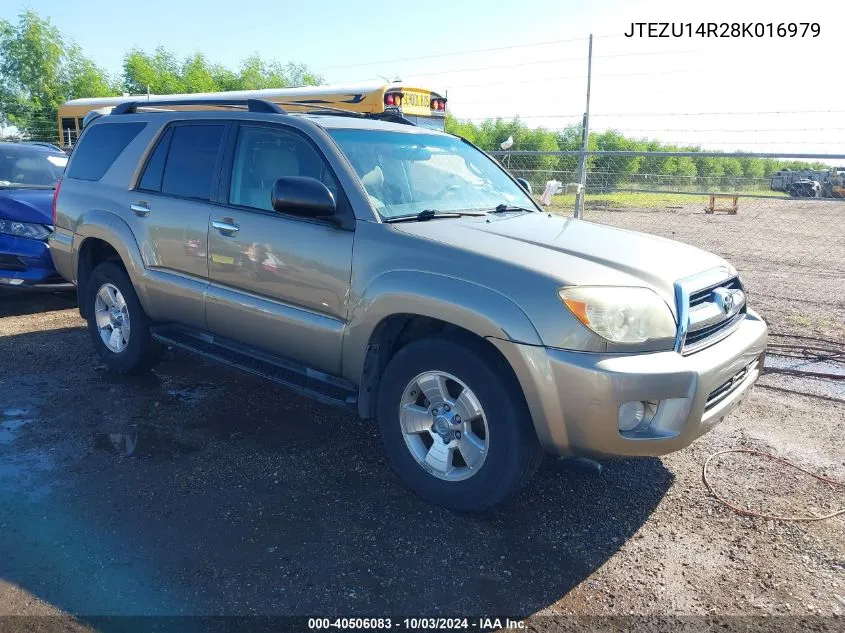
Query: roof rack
253, 105
317, 108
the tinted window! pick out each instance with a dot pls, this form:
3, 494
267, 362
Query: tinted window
154, 171
99, 147
190, 163
264, 154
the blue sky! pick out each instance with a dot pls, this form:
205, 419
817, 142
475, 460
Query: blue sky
321, 34
654, 88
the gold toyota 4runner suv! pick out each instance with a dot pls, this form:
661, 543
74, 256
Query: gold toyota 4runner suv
401, 273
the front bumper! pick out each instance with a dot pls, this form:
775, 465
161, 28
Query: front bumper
26, 263
574, 397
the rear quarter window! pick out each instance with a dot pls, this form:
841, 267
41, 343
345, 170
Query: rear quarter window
99, 147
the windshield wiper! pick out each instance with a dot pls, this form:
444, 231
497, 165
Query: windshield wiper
428, 214
504, 208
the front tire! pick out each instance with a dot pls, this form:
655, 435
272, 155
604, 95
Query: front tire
118, 325
454, 424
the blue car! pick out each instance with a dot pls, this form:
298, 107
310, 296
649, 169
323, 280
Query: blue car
28, 177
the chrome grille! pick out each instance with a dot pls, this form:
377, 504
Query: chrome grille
710, 306
706, 335
703, 296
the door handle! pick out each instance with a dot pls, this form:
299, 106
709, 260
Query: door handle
140, 208
226, 226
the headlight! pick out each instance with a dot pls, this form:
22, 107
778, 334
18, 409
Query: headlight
619, 314
24, 229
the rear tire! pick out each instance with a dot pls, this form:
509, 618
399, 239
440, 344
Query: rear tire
477, 464
118, 325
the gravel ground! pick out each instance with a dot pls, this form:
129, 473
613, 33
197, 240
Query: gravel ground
246, 500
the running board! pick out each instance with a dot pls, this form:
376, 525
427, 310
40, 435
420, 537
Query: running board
300, 379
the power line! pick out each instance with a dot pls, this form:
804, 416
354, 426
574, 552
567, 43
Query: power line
639, 114
743, 142
580, 76
537, 63
735, 131
463, 52
724, 113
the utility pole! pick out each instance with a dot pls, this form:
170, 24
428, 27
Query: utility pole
585, 137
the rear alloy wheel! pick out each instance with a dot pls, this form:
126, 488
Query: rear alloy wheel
112, 316
118, 325
454, 423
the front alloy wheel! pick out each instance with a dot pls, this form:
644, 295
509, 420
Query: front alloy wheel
444, 426
454, 423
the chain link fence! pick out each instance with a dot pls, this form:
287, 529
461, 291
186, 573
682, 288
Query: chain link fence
779, 218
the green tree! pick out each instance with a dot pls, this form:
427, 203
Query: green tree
197, 75
683, 173
39, 70
80, 77
606, 173
161, 72
568, 140
710, 170
464, 129
490, 135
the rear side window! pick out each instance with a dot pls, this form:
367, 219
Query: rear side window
189, 168
99, 147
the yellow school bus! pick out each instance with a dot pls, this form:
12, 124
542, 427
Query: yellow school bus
422, 106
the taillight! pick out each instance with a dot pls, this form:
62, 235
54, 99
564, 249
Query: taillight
55, 198
389, 99
441, 105
397, 100
434, 104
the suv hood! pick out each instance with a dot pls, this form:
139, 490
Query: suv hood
27, 205
573, 252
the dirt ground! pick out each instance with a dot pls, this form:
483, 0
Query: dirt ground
246, 500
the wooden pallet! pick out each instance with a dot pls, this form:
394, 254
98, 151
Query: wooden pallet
731, 209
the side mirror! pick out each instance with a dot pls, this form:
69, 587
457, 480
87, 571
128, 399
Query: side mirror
524, 184
306, 197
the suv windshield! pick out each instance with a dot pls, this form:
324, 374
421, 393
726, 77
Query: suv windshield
30, 166
407, 173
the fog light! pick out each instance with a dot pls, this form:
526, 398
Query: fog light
11, 280
631, 415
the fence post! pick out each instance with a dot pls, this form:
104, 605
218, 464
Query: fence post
582, 176
585, 139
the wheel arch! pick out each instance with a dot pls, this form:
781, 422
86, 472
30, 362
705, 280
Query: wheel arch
103, 236
402, 307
